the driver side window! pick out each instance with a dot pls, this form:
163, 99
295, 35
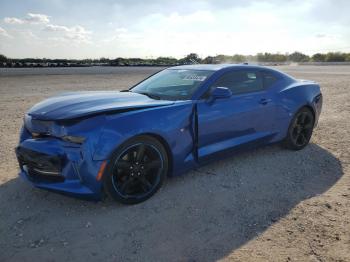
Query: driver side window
240, 82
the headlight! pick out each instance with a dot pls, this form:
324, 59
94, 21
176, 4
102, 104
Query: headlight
74, 139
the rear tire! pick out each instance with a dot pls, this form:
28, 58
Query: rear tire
136, 170
300, 129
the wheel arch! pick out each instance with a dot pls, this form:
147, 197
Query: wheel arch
166, 145
287, 140
159, 138
308, 107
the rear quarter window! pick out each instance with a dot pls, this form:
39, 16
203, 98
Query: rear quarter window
268, 79
241, 81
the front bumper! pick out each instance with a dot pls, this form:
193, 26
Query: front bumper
52, 164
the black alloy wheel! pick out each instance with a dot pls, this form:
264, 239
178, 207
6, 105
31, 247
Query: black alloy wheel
300, 129
137, 170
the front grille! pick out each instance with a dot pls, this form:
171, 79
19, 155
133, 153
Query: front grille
40, 167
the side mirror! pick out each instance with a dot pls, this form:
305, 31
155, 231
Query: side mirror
220, 92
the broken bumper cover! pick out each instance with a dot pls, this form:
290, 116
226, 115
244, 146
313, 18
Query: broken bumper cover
50, 164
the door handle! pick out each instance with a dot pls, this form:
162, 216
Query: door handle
264, 101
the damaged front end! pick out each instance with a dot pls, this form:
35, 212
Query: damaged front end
57, 155
63, 145
40, 166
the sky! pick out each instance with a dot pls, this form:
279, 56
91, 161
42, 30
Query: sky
152, 28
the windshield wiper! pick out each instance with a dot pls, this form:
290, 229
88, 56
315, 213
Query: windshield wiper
153, 96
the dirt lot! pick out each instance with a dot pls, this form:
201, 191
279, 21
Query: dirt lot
270, 204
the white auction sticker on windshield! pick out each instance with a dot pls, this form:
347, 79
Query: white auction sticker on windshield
194, 77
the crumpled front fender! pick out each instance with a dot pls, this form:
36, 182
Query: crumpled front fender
173, 123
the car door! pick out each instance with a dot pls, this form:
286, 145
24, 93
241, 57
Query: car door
247, 116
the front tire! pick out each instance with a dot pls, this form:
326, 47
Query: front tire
300, 129
136, 170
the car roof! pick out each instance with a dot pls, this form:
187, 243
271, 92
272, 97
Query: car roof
216, 67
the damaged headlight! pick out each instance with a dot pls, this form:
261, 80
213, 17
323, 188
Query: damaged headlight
75, 131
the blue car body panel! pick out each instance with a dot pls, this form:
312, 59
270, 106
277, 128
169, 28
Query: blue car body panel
80, 104
192, 131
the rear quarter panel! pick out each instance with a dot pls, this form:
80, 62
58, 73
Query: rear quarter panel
295, 96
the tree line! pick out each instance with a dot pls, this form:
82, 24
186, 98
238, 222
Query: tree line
168, 61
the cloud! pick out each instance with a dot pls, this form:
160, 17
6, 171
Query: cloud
30, 19
13, 20
37, 19
4, 33
196, 17
121, 30
75, 33
175, 28
56, 28
27, 34
234, 30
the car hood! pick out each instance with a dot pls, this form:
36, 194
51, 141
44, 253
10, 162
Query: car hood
79, 104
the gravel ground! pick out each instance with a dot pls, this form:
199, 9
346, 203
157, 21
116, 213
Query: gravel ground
269, 204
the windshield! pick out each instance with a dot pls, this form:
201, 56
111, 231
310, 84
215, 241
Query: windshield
172, 84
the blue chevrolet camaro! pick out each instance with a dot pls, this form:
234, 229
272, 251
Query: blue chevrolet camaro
125, 143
